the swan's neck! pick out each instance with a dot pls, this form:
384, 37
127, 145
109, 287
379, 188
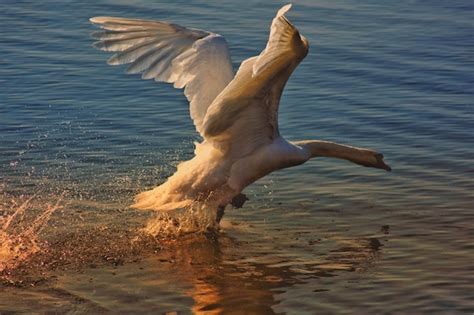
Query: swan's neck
361, 156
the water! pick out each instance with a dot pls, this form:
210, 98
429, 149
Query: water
325, 237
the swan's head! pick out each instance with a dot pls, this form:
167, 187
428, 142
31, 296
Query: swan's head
380, 163
371, 158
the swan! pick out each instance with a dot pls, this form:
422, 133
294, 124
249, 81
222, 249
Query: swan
235, 114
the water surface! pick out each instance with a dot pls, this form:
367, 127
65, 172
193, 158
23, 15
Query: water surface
325, 237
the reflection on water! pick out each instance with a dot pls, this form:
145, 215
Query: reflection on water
223, 273
91, 264
96, 260
237, 270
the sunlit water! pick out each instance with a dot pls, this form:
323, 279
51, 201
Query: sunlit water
78, 139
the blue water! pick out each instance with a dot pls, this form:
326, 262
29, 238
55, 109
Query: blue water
397, 77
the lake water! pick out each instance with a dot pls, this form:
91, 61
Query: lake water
327, 237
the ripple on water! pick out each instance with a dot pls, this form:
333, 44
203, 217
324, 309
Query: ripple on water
392, 76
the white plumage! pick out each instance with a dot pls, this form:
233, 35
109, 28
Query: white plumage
236, 115
166, 52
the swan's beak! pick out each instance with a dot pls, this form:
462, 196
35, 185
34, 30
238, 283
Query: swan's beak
381, 163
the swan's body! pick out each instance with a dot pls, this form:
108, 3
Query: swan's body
236, 116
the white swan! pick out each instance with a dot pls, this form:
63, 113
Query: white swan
236, 115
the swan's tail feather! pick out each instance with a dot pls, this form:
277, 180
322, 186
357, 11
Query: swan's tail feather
158, 201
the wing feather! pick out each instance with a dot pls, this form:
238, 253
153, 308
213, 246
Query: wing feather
244, 117
195, 60
284, 42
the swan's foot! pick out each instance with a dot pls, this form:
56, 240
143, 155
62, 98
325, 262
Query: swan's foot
239, 200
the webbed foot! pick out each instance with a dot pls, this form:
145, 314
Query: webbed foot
238, 201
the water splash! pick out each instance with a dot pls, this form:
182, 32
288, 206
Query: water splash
188, 201
196, 218
17, 242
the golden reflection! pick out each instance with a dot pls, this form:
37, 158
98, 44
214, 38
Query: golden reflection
241, 270
229, 277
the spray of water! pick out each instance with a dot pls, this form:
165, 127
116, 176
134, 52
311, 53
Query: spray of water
193, 219
188, 201
19, 239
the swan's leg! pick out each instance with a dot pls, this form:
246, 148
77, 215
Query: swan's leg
220, 214
237, 202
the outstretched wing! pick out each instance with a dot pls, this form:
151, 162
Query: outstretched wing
195, 60
245, 116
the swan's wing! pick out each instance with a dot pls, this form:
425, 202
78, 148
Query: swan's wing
195, 60
283, 43
245, 116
